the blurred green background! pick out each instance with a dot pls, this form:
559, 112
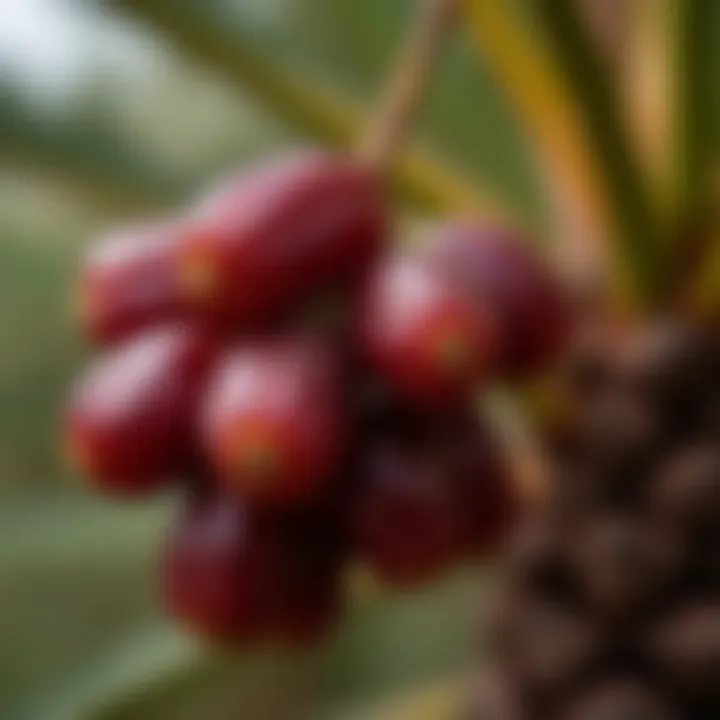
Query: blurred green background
110, 110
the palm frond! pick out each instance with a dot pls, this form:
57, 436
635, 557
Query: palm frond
528, 76
694, 25
638, 251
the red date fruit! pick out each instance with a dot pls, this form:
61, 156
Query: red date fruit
424, 334
262, 242
406, 520
130, 419
530, 310
273, 422
127, 283
219, 570
488, 500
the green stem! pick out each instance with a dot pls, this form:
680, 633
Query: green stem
399, 101
418, 177
635, 232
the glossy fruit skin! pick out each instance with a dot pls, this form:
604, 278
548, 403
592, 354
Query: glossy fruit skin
530, 308
219, 570
273, 421
406, 521
127, 282
460, 442
423, 334
260, 243
130, 419
488, 500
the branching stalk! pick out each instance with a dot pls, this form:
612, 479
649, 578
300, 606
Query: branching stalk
396, 108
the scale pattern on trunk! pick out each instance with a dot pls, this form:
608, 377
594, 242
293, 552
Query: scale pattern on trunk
609, 603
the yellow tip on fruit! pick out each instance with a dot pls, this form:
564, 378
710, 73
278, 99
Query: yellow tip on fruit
454, 353
198, 276
256, 462
197, 268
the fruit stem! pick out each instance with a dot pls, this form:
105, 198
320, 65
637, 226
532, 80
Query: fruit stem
425, 181
396, 107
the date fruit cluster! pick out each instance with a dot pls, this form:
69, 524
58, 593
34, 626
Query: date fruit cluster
611, 592
309, 388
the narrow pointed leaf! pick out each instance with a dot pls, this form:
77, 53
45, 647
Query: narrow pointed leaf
533, 86
638, 252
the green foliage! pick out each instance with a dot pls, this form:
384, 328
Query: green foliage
40, 353
698, 103
387, 643
85, 148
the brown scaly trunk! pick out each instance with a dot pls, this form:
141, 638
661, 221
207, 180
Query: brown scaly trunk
609, 606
